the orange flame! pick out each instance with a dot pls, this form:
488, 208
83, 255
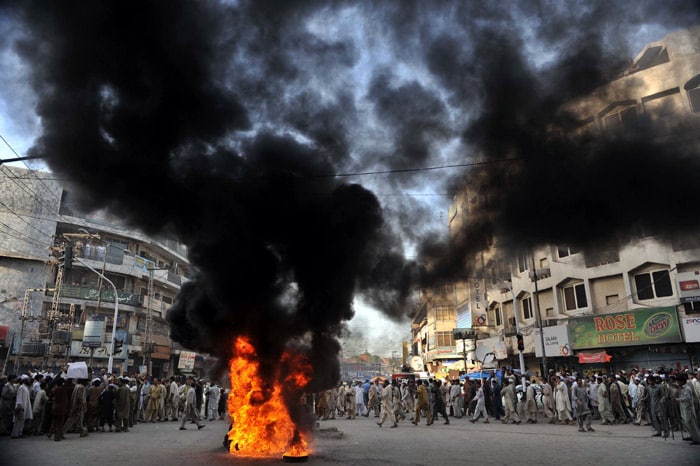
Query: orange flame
262, 426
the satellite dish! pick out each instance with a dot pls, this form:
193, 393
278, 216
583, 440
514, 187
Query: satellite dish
416, 363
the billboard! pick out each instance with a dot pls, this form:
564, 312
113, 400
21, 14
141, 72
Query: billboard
556, 341
635, 327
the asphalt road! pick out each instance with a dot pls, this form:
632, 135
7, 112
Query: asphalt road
363, 442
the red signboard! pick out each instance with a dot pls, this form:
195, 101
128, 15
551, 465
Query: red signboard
591, 358
689, 285
4, 329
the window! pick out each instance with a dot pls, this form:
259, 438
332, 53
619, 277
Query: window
115, 252
549, 312
619, 116
575, 297
498, 316
522, 262
663, 104
445, 339
444, 313
566, 251
527, 308
624, 119
694, 96
692, 87
652, 285
655, 55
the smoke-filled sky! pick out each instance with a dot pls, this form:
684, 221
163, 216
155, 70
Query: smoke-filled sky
278, 140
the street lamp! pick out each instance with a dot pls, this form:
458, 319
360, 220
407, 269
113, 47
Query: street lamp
116, 310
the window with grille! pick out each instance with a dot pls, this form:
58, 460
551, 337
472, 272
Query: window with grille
445, 339
444, 313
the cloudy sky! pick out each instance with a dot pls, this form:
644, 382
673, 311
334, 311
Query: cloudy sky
329, 105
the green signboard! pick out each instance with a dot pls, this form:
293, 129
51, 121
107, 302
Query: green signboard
630, 328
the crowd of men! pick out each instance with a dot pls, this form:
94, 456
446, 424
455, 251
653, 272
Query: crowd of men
54, 405
667, 401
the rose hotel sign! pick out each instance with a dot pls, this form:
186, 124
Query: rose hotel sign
635, 327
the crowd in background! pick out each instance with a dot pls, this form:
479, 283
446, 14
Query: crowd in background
53, 405
666, 400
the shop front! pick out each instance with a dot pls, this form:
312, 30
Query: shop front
647, 338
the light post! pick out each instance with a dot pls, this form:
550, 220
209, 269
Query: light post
516, 311
116, 311
539, 316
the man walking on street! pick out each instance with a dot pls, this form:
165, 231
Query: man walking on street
508, 394
387, 406
78, 409
191, 413
422, 404
583, 410
480, 405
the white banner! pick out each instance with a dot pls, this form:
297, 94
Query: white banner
556, 341
494, 345
186, 360
691, 328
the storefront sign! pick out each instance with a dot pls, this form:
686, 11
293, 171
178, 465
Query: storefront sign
689, 286
186, 360
630, 328
78, 350
691, 329
594, 358
556, 341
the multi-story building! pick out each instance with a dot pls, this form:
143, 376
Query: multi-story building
633, 305
47, 327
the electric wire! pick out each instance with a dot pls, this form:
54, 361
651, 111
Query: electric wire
32, 171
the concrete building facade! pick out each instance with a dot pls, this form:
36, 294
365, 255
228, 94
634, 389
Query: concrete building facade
37, 219
636, 304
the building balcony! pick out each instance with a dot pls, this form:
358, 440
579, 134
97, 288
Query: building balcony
93, 294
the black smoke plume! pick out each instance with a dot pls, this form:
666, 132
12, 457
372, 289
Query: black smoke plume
222, 123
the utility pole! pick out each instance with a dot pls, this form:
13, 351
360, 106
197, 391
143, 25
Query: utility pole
516, 310
539, 317
148, 345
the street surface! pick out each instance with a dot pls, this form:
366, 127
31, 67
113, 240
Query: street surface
363, 442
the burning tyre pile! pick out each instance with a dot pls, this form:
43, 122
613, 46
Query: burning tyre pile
260, 406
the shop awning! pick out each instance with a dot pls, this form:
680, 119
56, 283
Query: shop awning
591, 358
